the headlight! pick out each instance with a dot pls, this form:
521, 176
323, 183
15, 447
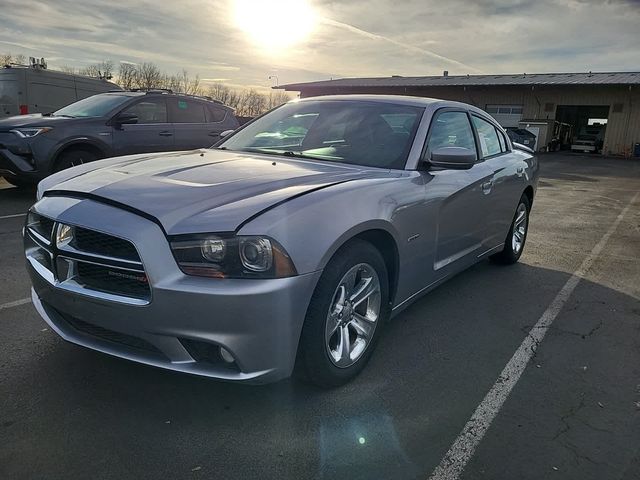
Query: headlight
30, 132
221, 256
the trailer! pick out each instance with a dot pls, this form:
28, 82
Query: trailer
26, 89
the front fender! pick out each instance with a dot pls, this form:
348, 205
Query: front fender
314, 226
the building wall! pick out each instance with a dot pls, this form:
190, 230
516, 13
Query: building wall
539, 103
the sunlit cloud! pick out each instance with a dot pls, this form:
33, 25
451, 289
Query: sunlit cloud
332, 39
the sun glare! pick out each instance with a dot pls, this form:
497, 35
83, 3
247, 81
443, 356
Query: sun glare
275, 24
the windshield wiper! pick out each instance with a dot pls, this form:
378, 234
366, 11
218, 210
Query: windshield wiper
284, 153
64, 116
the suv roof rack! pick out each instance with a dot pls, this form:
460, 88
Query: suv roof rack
203, 97
169, 91
151, 90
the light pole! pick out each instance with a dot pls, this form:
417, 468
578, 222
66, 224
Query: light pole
274, 77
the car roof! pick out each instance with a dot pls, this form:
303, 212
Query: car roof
157, 93
434, 103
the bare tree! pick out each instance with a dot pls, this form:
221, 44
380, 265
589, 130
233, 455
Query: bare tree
127, 76
252, 104
8, 58
277, 98
219, 91
102, 69
149, 75
5, 59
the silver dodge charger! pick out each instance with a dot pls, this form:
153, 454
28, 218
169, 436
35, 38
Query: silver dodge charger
289, 244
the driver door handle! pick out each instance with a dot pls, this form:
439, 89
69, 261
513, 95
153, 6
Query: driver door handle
165, 134
486, 186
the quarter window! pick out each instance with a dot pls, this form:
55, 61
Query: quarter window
186, 111
216, 114
152, 110
451, 129
488, 137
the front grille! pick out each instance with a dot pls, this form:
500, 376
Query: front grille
102, 244
96, 262
43, 226
109, 279
108, 335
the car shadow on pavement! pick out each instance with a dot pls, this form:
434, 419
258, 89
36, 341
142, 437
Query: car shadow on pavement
432, 367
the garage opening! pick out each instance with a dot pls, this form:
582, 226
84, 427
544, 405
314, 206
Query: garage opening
581, 128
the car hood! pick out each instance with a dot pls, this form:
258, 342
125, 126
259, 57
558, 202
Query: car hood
33, 120
204, 190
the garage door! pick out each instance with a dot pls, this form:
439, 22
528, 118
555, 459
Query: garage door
506, 115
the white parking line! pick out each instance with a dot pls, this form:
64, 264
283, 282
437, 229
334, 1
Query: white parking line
463, 448
16, 303
15, 215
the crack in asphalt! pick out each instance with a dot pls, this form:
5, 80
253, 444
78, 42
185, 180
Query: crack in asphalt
572, 411
578, 456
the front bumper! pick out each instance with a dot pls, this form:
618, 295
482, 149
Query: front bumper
257, 321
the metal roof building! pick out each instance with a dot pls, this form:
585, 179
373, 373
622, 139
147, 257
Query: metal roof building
554, 106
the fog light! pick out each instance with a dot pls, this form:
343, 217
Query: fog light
226, 356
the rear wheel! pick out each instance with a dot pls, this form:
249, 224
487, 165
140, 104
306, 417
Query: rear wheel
74, 157
345, 316
517, 236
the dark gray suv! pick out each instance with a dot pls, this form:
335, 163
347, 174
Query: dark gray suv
108, 125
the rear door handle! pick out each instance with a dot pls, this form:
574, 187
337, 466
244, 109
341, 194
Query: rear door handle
214, 134
165, 134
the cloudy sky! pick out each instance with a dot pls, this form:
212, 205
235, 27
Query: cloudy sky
243, 42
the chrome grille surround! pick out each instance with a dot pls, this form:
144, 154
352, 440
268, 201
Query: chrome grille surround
86, 261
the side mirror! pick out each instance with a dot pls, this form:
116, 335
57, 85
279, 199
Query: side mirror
125, 119
226, 133
455, 158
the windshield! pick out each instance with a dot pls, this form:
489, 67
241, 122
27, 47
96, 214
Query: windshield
95, 106
375, 134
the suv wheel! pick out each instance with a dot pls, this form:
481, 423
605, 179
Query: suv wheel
74, 157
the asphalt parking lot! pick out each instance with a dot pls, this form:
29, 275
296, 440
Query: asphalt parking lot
70, 413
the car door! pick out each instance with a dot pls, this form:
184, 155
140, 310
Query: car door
151, 133
460, 195
506, 178
189, 118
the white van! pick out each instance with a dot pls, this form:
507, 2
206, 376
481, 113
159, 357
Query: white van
25, 89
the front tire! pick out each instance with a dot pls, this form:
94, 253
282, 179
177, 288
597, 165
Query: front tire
345, 317
517, 236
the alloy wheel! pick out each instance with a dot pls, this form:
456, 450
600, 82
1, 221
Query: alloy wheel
353, 315
519, 228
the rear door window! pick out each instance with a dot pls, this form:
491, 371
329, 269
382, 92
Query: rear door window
488, 137
186, 111
153, 110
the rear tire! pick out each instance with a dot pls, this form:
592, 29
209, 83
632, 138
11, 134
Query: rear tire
74, 157
340, 332
517, 236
